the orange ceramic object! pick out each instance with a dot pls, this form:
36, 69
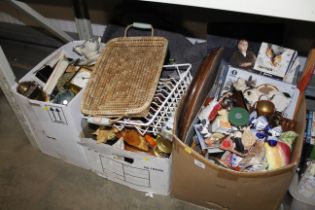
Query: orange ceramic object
150, 140
133, 138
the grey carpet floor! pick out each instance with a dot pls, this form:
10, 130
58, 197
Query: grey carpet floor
32, 180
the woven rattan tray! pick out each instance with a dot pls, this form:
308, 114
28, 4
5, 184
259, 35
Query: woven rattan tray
125, 77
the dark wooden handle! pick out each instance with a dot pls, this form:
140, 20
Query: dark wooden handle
197, 92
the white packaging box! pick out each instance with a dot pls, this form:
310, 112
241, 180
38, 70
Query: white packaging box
56, 127
138, 171
299, 202
233, 74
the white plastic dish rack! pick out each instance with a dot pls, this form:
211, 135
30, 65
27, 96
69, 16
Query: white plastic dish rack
167, 96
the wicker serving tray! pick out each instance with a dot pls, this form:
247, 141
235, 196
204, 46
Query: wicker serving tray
125, 77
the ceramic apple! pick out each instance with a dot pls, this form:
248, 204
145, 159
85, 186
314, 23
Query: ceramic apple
277, 156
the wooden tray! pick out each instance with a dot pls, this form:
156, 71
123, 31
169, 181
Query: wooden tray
125, 77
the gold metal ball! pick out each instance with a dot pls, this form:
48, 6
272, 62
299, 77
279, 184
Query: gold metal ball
265, 108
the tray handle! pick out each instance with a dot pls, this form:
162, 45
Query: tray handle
138, 25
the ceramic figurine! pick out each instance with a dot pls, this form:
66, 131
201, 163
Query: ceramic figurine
203, 117
223, 115
205, 111
214, 138
287, 124
288, 137
277, 156
281, 100
255, 160
214, 112
236, 136
240, 84
90, 50
252, 116
235, 161
104, 134
221, 123
266, 92
248, 139
272, 141
276, 131
227, 144
243, 57
251, 96
220, 126
259, 135
260, 123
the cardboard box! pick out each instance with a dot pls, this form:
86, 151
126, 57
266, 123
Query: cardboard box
138, 171
197, 180
56, 127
